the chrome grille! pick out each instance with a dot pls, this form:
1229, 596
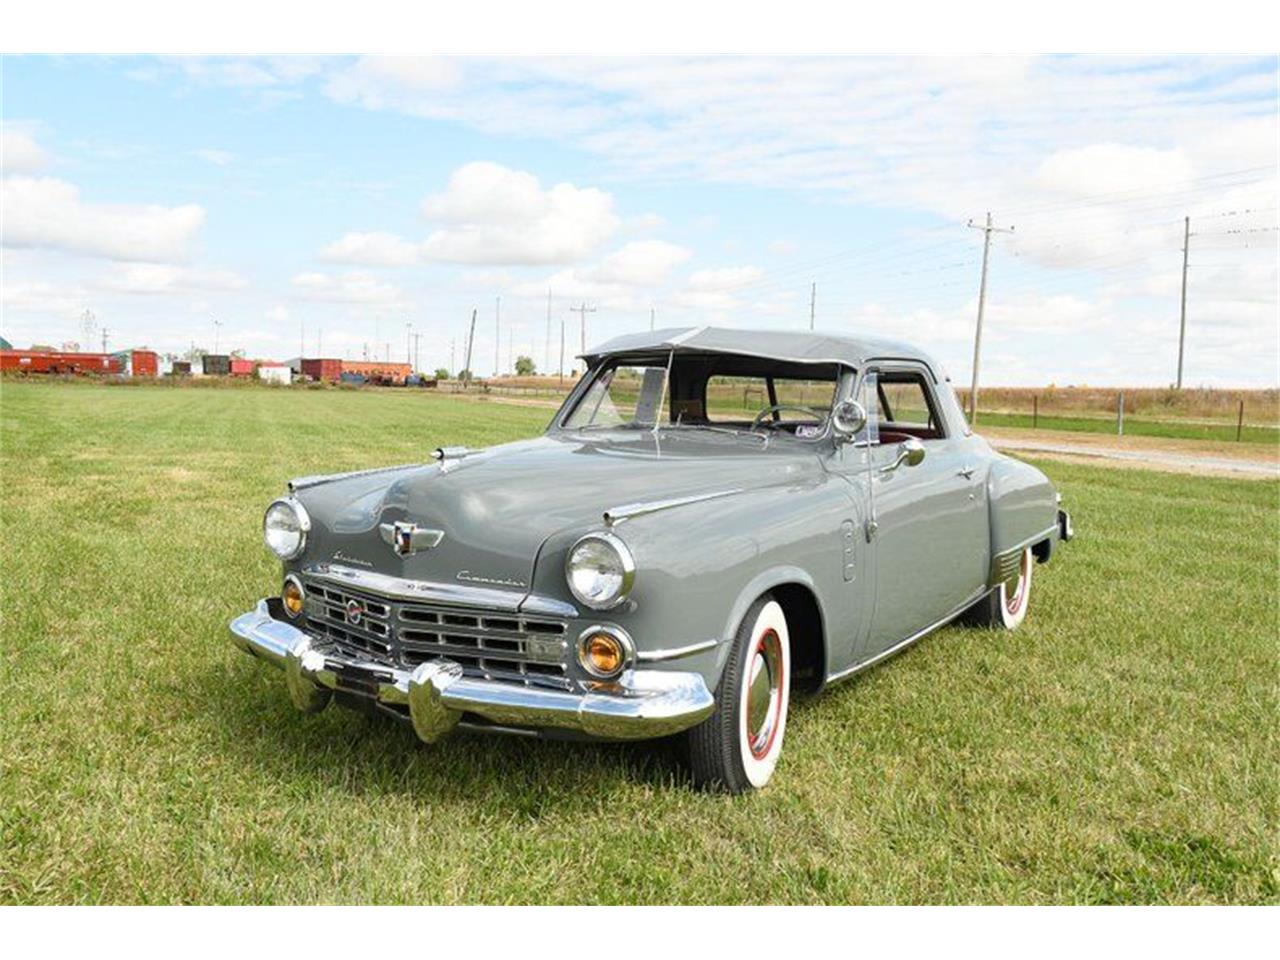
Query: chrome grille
497, 645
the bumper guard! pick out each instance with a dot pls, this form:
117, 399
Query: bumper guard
639, 705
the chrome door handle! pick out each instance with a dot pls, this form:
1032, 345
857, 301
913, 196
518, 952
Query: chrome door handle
966, 472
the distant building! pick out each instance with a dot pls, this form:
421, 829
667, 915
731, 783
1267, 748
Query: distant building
274, 373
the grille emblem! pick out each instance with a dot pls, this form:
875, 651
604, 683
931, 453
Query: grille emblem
407, 539
355, 611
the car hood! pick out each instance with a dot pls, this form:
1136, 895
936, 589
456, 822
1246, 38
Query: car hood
496, 507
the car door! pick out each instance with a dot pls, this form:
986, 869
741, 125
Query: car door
929, 523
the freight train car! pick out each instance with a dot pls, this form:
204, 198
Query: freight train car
374, 371
318, 369
216, 364
58, 362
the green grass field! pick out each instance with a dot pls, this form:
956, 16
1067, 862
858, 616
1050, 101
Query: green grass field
1121, 747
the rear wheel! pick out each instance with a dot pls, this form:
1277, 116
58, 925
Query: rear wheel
737, 748
1005, 607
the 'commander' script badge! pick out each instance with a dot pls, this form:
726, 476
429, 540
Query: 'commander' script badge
408, 538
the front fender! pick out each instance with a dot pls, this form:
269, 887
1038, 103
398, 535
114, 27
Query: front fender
700, 566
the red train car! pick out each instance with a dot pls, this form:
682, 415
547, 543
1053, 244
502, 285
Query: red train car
59, 362
145, 363
242, 368
318, 369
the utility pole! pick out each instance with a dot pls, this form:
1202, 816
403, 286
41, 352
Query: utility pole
813, 301
582, 312
987, 230
652, 315
417, 338
104, 339
562, 352
497, 335
217, 328
1182, 326
471, 339
546, 353
453, 356
408, 338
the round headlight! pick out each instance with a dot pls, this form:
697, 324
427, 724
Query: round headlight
284, 528
600, 570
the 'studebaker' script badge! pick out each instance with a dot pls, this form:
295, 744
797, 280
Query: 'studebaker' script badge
408, 538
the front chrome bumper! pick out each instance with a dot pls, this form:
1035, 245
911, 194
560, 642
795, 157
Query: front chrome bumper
436, 695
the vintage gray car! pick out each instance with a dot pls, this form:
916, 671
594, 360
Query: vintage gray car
713, 519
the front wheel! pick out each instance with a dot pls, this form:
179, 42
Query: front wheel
1005, 607
737, 747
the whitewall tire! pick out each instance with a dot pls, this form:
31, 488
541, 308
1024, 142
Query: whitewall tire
1005, 607
737, 748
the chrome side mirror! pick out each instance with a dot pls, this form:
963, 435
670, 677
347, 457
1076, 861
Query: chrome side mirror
910, 452
847, 420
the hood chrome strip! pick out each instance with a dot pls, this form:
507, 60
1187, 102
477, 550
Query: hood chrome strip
616, 515
400, 588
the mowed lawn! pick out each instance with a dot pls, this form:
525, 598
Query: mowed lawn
1120, 747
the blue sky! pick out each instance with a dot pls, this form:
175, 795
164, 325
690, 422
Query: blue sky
346, 197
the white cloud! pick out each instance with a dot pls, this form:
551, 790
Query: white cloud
641, 263
723, 278
46, 213
371, 250
158, 278
277, 314
19, 151
498, 216
782, 247
352, 287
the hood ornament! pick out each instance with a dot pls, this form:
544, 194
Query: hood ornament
408, 538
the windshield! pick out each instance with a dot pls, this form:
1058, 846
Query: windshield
718, 392
622, 395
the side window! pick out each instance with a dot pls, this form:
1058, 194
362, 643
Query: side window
906, 406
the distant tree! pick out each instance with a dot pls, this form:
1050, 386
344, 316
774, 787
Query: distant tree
442, 373
46, 348
238, 354
464, 374
525, 367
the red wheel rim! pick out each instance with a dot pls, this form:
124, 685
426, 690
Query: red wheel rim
1013, 603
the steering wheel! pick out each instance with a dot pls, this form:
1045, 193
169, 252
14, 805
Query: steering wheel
759, 421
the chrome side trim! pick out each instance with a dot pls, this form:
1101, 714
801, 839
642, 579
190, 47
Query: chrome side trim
1004, 565
399, 588
903, 644
615, 515
302, 483
675, 653
639, 705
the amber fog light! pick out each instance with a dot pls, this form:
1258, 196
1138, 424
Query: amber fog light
292, 596
604, 652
